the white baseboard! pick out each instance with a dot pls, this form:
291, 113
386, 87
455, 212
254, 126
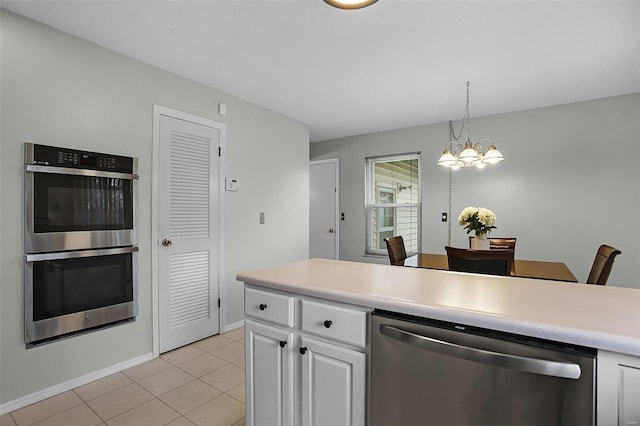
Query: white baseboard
21, 402
229, 327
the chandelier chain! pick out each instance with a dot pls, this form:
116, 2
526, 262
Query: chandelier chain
466, 111
452, 133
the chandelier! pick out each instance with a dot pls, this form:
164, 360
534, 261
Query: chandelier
350, 4
468, 155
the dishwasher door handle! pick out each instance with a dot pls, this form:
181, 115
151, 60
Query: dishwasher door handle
563, 370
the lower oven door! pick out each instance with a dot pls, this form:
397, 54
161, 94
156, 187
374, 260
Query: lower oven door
71, 291
437, 373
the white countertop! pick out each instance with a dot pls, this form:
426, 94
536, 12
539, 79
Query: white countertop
600, 317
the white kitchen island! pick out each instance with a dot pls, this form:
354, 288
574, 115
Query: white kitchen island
604, 318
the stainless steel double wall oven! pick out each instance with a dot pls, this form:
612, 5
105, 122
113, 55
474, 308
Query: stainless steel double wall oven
80, 241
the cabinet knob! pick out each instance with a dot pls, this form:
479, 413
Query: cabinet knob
283, 343
303, 350
328, 323
262, 306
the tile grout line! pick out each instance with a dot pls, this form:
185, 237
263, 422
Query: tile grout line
89, 407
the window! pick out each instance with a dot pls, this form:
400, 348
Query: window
393, 201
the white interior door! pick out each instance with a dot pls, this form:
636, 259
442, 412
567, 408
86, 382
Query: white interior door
188, 234
323, 209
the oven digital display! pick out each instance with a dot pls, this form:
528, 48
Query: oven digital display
88, 160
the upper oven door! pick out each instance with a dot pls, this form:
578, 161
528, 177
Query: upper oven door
74, 209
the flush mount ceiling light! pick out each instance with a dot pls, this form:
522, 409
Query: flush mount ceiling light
468, 155
350, 4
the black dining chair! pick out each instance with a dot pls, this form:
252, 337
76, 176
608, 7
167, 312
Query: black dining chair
602, 265
396, 250
493, 262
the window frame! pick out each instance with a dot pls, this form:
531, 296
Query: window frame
371, 189
381, 229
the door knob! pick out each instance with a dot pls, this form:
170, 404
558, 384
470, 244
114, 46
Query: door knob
331, 230
166, 242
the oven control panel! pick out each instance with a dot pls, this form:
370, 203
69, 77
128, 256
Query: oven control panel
64, 157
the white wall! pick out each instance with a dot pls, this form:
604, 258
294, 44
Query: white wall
560, 208
60, 90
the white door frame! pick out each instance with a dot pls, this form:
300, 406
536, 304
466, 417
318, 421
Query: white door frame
159, 110
336, 162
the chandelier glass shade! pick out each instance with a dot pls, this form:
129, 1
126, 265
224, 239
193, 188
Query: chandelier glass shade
350, 4
468, 155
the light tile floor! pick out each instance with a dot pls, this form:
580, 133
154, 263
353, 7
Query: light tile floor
200, 384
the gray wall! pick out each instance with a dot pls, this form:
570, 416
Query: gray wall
561, 208
60, 90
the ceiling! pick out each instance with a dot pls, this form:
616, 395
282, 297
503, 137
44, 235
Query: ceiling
394, 64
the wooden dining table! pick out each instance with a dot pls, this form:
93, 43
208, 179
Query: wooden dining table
523, 268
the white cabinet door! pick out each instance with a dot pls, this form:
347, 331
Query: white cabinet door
618, 392
269, 375
333, 385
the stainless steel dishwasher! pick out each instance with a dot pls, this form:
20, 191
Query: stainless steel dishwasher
426, 372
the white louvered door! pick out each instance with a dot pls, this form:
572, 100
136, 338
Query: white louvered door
187, 232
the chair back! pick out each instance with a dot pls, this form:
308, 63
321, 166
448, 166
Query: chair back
493, 262
396, 250
602, 265
499, 243
502, 243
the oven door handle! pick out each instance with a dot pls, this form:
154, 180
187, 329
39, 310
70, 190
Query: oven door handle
79, 253
563, 370
36, 168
